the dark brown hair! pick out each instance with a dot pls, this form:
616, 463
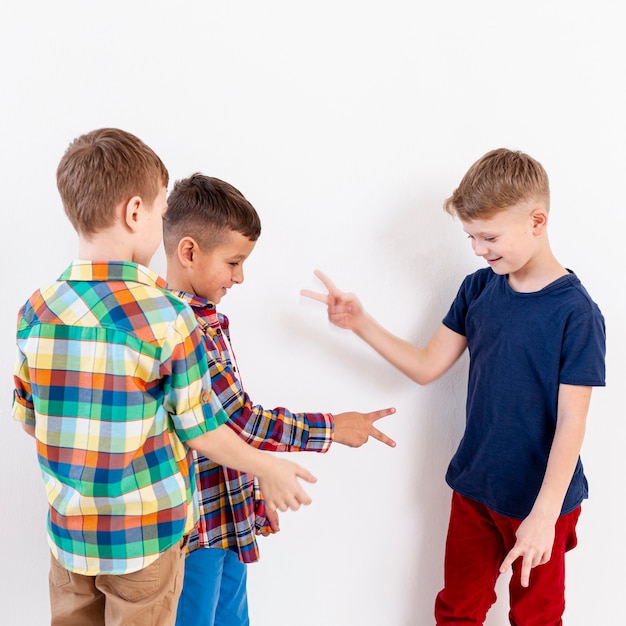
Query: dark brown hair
204, 208
102, 168
498, 180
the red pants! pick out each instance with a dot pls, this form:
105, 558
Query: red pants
478, 540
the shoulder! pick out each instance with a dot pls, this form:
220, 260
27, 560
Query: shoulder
156, 312
482, 276
475, 283
40, 305
577, 297
154, 299
181, 312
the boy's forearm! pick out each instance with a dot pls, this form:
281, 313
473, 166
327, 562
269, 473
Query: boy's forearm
224, 447
422, 365
565, 450
403, 355
278, 478
280, 430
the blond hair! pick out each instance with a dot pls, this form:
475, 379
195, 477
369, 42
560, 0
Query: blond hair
498, 180
103, 168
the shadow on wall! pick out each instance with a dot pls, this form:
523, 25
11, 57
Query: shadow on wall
421, 247
428, 246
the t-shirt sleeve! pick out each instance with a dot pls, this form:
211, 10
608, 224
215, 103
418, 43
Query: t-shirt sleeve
456, 316
584, 348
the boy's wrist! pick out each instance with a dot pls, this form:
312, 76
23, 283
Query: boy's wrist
363, 328
546, 509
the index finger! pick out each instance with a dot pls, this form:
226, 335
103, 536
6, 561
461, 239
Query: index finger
304, 474
508, 561
325, 280
376, 415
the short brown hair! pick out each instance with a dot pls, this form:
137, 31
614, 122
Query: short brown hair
203, 207
498, 180
102, 168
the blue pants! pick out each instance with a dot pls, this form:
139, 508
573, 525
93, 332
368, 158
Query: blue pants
214, 590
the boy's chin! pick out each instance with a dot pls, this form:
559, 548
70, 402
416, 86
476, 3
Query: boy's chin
497, 268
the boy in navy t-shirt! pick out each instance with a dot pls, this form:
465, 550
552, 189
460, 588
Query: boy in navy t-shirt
536, 342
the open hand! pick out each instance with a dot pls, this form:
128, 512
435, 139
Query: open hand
281, 488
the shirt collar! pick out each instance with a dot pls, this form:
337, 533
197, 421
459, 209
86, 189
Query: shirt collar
113, 270
203, 309
194, 301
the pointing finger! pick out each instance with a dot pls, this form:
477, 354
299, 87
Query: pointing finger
304, 474
325, 281
376, 415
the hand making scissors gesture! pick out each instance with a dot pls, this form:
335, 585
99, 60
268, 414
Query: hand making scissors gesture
344, 309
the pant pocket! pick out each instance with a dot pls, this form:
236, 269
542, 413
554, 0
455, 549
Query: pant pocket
59, 576
135, 586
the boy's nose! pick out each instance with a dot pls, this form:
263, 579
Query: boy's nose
479, 249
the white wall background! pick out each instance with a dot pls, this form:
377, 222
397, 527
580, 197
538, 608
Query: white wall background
346, 123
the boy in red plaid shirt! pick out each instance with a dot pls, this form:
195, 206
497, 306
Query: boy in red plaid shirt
209, 231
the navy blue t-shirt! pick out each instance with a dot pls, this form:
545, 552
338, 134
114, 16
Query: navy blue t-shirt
522, 346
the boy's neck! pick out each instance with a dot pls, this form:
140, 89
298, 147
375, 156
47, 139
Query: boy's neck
543, 270
111, 244
175, 278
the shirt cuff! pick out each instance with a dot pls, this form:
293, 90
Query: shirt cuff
321, 430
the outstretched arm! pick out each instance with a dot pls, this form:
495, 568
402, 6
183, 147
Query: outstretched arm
422, 365
535, 535
279, 429
277, 476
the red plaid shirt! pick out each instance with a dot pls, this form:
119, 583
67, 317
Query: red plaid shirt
231, 506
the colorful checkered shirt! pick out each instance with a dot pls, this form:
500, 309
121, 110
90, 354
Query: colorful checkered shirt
231, 507
112, 375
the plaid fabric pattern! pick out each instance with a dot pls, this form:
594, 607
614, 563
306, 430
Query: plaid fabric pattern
112, 375
231, 506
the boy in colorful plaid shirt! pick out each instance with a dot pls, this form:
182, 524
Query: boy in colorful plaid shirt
111, 380
209, 231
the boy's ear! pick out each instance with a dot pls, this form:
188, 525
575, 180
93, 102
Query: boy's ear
130, 212
187, 248
540, 220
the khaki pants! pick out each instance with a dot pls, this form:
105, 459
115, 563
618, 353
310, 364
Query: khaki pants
148, 597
